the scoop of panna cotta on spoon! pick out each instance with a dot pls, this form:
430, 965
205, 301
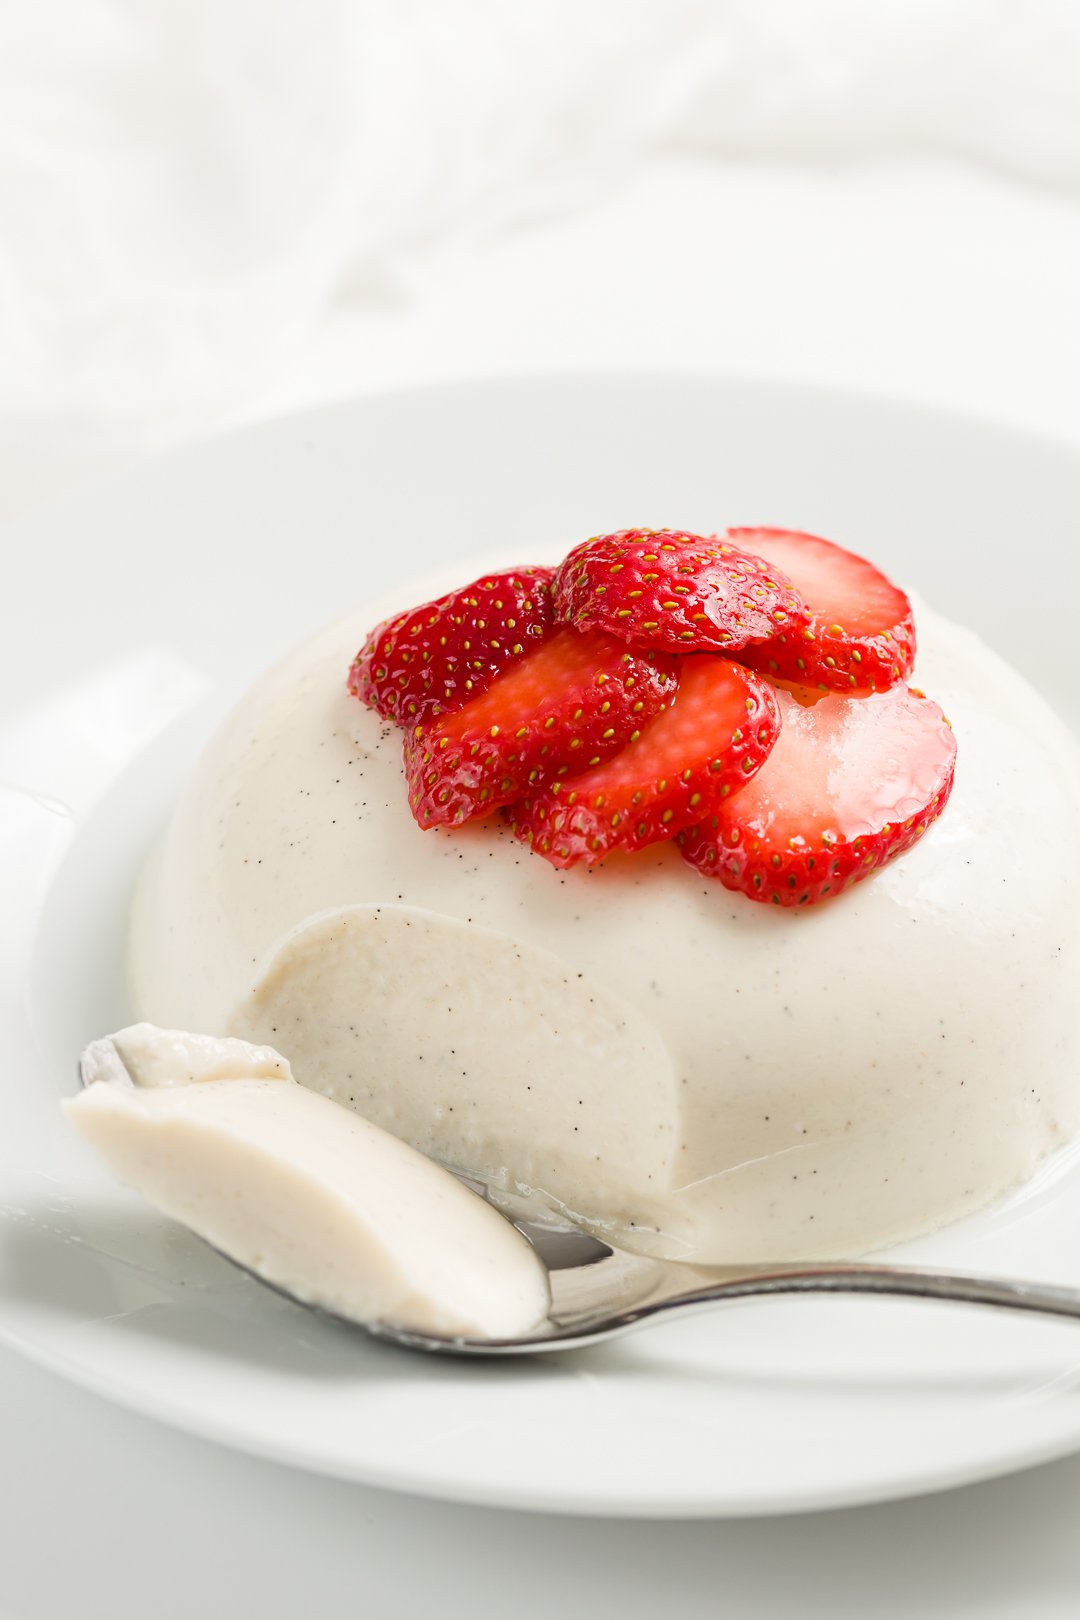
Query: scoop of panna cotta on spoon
299, 1190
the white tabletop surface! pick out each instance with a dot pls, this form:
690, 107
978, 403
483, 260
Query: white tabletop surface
937, 285
111, 1518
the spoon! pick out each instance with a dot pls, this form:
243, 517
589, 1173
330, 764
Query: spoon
597, 1291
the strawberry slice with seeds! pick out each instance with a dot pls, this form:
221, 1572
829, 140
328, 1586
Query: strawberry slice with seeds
851, 784
572, 703
688, 760
439, 655
669, 589
861, 633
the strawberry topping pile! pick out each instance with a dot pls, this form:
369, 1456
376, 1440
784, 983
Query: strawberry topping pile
743, 694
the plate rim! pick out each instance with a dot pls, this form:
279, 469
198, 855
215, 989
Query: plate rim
171, 455
572, 1504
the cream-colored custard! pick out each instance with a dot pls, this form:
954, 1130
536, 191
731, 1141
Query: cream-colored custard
303, 1193
710, 1078
151, 1057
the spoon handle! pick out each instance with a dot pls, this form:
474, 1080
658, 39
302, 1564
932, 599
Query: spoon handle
1004, 1293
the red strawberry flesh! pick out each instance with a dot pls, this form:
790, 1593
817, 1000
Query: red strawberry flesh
688, 760
438, 656
573, 702
851, 783
667, 588
861, 634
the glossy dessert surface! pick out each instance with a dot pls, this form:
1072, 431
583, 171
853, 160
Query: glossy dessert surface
709, 1078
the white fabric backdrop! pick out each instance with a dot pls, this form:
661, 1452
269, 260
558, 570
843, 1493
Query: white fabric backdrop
211, 209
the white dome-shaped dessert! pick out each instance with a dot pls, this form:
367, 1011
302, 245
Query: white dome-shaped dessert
715, 1078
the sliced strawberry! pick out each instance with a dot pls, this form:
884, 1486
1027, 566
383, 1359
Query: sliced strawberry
437, 656
861, 634
687, 761
851, 783
573, 702
666, 588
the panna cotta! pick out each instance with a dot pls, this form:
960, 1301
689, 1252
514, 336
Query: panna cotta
669, 1063
304, 1194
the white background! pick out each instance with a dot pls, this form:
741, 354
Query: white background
220, 211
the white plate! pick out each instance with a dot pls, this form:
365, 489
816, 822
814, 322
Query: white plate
140, 611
